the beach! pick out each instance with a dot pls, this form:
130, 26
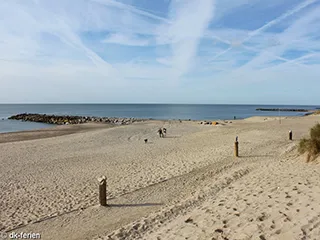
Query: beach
187, 185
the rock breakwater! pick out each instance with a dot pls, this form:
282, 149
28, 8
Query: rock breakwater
284, 109
63, 120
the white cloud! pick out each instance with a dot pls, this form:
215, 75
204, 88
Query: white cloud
82, 43
164, 61
279, 19
261, 30
190, 20
299, 29
132, 9
129, 40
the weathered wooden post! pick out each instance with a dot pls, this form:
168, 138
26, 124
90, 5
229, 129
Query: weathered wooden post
236, 148
290, 135
103, 191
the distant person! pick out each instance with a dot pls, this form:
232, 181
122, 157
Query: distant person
234, 118
160, 132
164, 130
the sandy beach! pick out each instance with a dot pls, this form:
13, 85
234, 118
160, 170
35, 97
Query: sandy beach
185, 186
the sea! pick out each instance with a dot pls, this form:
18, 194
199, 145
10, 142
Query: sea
145, 111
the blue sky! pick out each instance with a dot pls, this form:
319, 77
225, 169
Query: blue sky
160, 51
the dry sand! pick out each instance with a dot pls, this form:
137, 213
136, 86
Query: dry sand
185, 186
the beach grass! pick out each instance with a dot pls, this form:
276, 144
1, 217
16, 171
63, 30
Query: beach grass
311, 145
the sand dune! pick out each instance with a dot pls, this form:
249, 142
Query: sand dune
185, 186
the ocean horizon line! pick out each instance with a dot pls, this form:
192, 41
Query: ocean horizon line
219, 104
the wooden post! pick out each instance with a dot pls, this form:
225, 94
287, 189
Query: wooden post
103, 191
236, 149
290, 135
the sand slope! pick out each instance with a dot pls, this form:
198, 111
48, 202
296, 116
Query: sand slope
276, 201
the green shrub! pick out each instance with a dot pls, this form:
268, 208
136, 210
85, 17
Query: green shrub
311, 146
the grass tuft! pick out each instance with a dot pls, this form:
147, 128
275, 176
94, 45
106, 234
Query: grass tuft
311, 146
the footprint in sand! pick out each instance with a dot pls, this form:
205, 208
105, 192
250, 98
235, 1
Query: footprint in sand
262, 237
262, 217
209, 211
287, 218
189, 220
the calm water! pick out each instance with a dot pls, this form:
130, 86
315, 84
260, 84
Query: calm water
155, 111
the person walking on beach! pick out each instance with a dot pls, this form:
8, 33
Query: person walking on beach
160, 132
164, 132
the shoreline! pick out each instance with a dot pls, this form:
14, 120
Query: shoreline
61, 130
113, 122
54, 131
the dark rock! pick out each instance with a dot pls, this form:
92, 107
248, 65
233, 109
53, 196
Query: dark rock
65, 120
283, 109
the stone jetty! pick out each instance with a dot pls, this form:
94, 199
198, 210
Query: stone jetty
63, 120
284, 109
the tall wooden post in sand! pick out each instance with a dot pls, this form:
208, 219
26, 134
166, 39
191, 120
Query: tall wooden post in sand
290, 135
103, 191
236, 148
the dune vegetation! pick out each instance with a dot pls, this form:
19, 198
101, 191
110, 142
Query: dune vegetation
311, 146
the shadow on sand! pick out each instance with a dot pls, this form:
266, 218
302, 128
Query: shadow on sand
257, 156
135, 205
172, 136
